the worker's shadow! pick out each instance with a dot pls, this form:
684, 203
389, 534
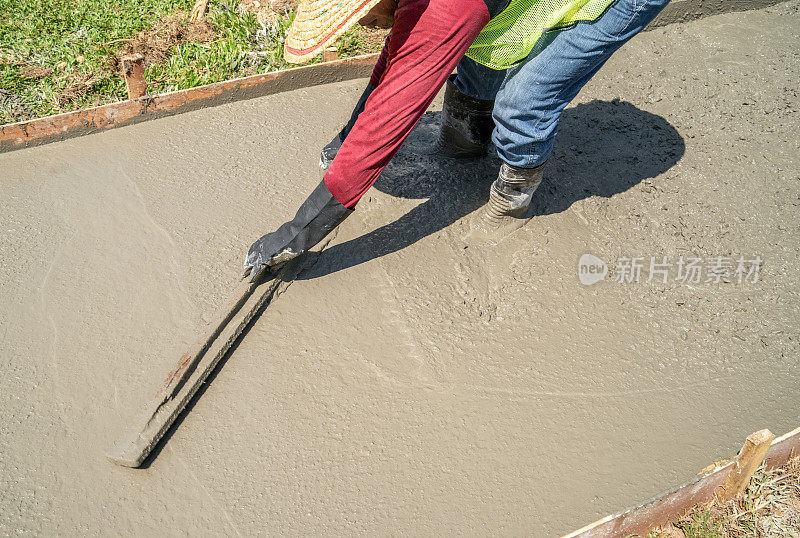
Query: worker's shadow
603, 148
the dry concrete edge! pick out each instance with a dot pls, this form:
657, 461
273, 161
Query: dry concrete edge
89, 120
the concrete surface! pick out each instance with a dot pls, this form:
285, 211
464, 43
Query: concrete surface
689, 10
415, 380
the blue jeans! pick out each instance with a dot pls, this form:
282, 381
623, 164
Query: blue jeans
530, 96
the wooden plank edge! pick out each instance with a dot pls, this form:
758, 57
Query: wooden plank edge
88, 120
675, 503
784, 448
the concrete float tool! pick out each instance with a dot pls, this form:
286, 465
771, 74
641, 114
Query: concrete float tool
176, 391
182, 383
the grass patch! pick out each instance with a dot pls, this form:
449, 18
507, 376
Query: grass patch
769, 507
703, 524
62, 55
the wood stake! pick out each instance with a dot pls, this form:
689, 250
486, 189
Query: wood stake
133, 71
746, 463
199, 10
330, 54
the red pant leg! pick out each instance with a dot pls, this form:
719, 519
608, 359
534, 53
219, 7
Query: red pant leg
428, 39
380, 65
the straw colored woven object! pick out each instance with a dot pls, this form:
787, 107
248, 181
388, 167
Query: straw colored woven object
319, 23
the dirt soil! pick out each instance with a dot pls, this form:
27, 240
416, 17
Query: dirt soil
269, 10
415, 380
155, 43
35, 72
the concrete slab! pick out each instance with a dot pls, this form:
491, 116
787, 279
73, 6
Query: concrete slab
413, 381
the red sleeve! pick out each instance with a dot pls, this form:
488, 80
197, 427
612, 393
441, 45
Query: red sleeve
380, 65
428, 39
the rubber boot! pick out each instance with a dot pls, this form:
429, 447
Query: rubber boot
509, 200
332, 148
511, 193
467, 124
315, 219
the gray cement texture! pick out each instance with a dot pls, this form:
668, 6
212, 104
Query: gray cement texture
415, 380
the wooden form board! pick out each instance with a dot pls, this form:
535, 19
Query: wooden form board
88, 120
674, 504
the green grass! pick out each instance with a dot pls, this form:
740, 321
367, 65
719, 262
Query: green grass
703, 524
244, 47
54, 34
69, 39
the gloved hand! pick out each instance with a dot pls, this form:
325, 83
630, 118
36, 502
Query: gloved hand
267, 253
332, 148
315, 219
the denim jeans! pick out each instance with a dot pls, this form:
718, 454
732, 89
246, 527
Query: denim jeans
530, 96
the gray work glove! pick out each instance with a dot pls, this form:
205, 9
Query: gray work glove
315, 219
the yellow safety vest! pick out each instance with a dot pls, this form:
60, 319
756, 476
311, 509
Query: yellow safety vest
510, 37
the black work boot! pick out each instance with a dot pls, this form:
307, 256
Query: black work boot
329, 151
467, 124
315, 219
511, 193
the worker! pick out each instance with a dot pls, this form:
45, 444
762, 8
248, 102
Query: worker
519, 63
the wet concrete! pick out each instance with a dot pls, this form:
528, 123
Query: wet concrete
689, 10
413, 380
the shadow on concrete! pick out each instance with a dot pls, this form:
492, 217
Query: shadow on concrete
603, 148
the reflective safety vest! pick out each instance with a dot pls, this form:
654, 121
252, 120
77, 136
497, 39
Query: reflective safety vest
510, 36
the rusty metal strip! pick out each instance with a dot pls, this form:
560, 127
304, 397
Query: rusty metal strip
53, 128
674, 504
784, 448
